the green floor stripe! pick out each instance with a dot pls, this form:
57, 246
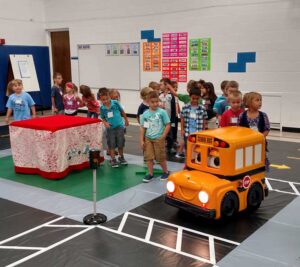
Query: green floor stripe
79, 184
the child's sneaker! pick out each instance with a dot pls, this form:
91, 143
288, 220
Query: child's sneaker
164, 176
148, 178
114, 163
180, 155
123, 161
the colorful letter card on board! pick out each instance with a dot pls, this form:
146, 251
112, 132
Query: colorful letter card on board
175, 44
151, 56
175, 69
200, 54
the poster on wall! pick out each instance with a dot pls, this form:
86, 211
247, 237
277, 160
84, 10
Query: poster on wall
108, 50
115, 49
175, 69
151, 56
174, 44
200, 54
125, 49
135, 49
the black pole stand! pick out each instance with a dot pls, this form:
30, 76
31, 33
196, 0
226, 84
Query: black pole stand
94, 218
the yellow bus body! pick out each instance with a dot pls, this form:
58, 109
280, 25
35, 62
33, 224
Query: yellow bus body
220, 162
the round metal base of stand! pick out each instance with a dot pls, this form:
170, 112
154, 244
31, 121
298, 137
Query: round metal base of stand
93, 219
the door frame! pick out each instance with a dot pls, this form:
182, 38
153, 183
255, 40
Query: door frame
48, 37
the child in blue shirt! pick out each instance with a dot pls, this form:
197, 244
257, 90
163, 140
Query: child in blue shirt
19, 103
155, 125
111, 114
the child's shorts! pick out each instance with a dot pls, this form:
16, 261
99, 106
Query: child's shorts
115, 137
155, 149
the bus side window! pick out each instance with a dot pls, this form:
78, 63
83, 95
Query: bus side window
257, 153
248, 156
239, 158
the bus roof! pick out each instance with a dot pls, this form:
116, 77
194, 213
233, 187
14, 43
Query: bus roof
233, 134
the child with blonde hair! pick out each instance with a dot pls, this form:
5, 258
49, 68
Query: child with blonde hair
19, 103
254, 118
145, 104
155, 86
115, 94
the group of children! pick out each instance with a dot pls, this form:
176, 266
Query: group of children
68, 101
159, 114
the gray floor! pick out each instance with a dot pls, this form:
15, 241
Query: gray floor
276, 243
76, 208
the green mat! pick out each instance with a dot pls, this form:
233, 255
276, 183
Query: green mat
79, 184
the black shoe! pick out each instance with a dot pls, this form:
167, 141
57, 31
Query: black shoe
148, 178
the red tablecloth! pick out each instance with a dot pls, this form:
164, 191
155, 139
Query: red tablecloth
53, 146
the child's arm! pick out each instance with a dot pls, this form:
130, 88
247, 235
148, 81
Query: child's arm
265, 133
106, 124
205, 117
267, 125
172, 90
142, 137
33, 111
223, 120
8, 114
54, 109
204, 124
182, 126
166, 130
125, 117
79, 101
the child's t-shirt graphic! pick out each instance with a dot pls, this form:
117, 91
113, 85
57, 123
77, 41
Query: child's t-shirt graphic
154, 122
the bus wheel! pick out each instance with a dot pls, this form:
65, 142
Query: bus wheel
229, 205
255, 197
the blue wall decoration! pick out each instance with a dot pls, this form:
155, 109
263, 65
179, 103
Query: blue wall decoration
242, 59
149, 35
42, 65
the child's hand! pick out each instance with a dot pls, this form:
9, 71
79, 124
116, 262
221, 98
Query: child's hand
106, 124
54, 110
6, 120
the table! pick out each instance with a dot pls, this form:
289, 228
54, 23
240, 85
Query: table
55, 145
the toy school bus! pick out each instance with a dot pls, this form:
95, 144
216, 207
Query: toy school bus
224, 173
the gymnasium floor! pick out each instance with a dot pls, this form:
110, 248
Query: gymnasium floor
41, 220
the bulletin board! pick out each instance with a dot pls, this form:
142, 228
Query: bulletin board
24, 69
41, 59
110, 65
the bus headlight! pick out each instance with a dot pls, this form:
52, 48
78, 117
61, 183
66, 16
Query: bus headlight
203, 197
170, 186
